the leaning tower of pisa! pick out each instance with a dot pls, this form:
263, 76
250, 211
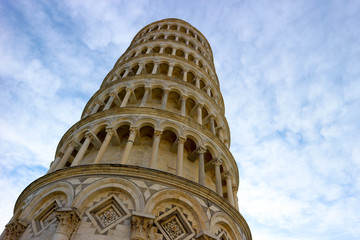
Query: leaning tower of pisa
149, 158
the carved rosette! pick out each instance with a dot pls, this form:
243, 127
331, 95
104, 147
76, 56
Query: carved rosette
14, 230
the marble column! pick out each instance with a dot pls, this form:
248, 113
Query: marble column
183, 106
236, 201
212, 124
67, 221
230, 196
110, 101
53, 164
155, 68
155, 148
199, 114
126, 98
141, 66
217, 163
164, 99
80, 155
129, 144
145, 97
104, 145
66, 156
185, 75
221, 134
201, 151
180, 156
97, 106
171, 67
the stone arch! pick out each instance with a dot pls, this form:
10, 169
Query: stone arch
193, 136
146, 122
122, 121
225, 221
170, 126
44, 195
182, 198
86, 194
99, 126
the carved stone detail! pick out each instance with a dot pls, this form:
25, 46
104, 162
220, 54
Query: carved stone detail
107, 213
14, 229
67, 221
141, 225
174, 226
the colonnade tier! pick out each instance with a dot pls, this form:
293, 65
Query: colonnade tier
157, 54
177, 26
164, 65
91, 132
167, 48
162, 94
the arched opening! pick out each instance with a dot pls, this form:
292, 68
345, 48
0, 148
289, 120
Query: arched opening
163, 69
174, 103
156, 49
182, 29
191, 165
191, 58
190, 78
156, 96
168, 50
149, 67
177, 72
172, 37
141, 152
180, 53
144, 51
182, 40
167, 152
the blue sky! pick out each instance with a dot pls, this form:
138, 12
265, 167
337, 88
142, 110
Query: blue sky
289, 73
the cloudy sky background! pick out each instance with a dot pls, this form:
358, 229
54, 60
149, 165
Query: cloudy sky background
289, 73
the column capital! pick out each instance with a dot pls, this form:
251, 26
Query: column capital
99, 102
59, 155
166, 90
72, 144
234, 187
184, 97
67, 220
141, 225
14, 229
201, 150
133, 129
147, 87
181, 140
128, 89
228, 174
89, 135
157, 133
112, 94
110, 130
217, 161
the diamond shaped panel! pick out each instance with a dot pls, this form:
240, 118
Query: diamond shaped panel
107, 213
